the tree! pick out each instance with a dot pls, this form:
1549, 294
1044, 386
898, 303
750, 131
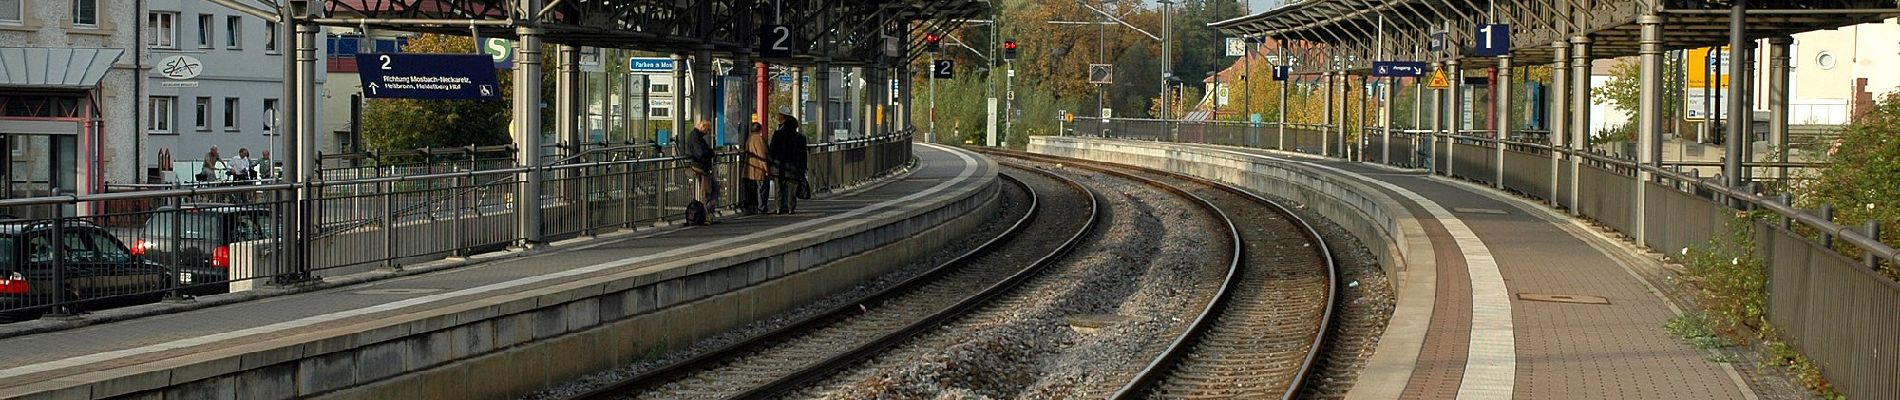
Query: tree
403, 124
1624, 91
1858, 176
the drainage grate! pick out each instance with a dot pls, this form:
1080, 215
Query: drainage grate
1563, 298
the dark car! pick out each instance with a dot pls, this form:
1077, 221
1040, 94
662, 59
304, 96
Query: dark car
89, 266
203, 234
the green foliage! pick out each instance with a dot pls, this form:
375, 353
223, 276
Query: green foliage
1624, 91
403, 124
1728, 278
1858, 178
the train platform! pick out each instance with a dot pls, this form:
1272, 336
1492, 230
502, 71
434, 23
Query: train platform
505, 327
1498, 297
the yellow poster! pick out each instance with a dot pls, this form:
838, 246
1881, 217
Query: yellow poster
1698, 64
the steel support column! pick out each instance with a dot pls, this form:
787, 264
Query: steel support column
1503, 118
1430, 141
1457, 109
1739, 115
1649, 112
1281, 43
679, 114
1326, 117
1579, 112
1558, 116
567, 94
704, 99
527, 131
821, 94
1778, 91
1391, 96
304, 165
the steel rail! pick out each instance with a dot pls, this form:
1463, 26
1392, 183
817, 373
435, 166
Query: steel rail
1183, 344
824, 368
712, 359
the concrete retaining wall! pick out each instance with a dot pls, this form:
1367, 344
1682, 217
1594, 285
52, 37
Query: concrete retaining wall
511, 344
1375, 218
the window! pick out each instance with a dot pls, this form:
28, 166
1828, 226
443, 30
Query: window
11, 12
206, 29
270, 37
161, 115
203, 119
233, 31
230, 113
662, 88
659, 112
160, 30
86, 12
270, 113
1825, 60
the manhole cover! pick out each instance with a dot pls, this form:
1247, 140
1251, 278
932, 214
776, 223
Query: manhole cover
1563, 298
398, 291
1089, 323
1480, 211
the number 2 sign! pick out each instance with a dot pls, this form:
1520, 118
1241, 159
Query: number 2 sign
777, 41
1492, 40
944, 69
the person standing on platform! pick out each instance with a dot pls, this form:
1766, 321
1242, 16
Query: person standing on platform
757, 186
241, 166
699, 160
788, 156
209, 171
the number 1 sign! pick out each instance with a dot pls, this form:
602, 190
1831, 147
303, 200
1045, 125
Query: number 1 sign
1492, 40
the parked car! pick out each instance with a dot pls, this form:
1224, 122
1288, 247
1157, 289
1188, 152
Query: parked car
203, 234
91, 268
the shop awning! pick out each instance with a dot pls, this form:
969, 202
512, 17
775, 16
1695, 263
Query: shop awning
50, 68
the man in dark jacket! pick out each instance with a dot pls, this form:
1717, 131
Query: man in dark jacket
699, 155
788, 158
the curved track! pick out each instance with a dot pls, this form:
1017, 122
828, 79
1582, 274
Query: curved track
1260, 335
814, 347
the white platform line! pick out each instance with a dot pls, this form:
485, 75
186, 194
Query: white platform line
736, 243
1491, 358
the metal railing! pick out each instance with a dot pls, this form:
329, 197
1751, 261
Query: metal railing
204, 240
1815, 288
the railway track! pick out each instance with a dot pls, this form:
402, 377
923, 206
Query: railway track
814, 347
1259, 337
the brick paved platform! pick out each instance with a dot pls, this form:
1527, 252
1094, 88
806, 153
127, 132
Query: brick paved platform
505, 327
1522, 302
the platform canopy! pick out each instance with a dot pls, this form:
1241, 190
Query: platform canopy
842, 32
1354, 31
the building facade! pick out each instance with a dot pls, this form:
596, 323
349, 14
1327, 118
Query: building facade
216, 78
69, 95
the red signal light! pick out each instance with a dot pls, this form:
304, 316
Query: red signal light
1009, 45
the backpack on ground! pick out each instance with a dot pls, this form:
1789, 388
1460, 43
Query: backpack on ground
695, 213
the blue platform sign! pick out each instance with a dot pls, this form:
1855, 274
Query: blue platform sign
1387, 69
1280, 73
1438, 41
428, 76
1492, 40
650, 65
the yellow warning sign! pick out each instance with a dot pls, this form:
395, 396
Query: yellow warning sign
1439, 80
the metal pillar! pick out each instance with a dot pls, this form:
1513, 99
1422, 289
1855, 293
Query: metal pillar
303, 163
704, 99
567, 91
1167, 59
1391, 96
1438, 126
1579, 112
1558, 115
1649, 112
821, 94
1503, 117
527, 130
1283, 84
1739, 114
679, 114
1778, 92
1457, 123
761, 91
1326, 117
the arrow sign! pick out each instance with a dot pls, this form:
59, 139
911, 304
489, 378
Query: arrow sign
428, 76
1386, 69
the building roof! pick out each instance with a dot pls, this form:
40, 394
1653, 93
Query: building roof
55, 68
